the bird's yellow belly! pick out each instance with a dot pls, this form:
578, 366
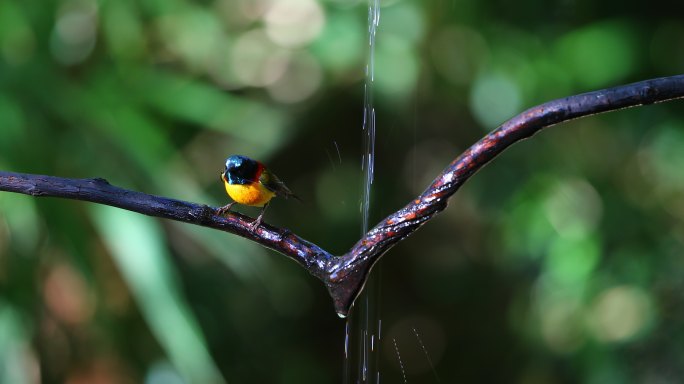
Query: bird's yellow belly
253, 194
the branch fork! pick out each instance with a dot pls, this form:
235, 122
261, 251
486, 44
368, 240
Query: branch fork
345, 275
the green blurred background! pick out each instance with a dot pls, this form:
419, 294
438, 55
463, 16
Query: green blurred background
561, 262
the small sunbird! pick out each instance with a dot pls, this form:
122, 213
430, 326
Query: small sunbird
249, 182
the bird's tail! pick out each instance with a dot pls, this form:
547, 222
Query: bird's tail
295, 197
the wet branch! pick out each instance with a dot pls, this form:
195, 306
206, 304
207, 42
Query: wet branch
345, 275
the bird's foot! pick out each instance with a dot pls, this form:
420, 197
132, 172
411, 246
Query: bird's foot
257, 221
225, 209
255, 224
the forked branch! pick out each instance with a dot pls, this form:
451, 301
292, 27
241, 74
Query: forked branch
345, 275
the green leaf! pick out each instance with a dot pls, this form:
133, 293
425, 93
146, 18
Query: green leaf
137, 246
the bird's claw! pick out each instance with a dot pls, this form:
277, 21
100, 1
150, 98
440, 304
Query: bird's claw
225, 209
255, 224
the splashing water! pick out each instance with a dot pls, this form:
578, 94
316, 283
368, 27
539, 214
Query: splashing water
364, 328
368, 158
401, 364
427, 355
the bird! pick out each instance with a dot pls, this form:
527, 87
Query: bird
249, 182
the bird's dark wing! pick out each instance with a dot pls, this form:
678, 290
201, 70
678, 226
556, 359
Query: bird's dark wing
273, 183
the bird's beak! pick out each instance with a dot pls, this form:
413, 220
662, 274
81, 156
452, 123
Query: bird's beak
223, 176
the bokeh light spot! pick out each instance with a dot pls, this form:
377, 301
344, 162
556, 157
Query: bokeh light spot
340, 45
403, 20
599, 54
194, 37
574, 208
293, 23
572, 260
301, 79
74, 36
396, 67
257, 61
493, 99
560, 325
619, 313
250, 10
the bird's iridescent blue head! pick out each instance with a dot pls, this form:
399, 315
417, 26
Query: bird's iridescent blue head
241, 170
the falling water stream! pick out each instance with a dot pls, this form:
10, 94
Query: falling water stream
363, 329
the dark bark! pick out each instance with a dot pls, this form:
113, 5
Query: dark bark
345, 275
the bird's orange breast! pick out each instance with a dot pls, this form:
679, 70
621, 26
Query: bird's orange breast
254, 194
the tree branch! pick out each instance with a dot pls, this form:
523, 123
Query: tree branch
345, 275
99, 191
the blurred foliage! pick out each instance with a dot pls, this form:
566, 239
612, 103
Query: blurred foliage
560, 262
